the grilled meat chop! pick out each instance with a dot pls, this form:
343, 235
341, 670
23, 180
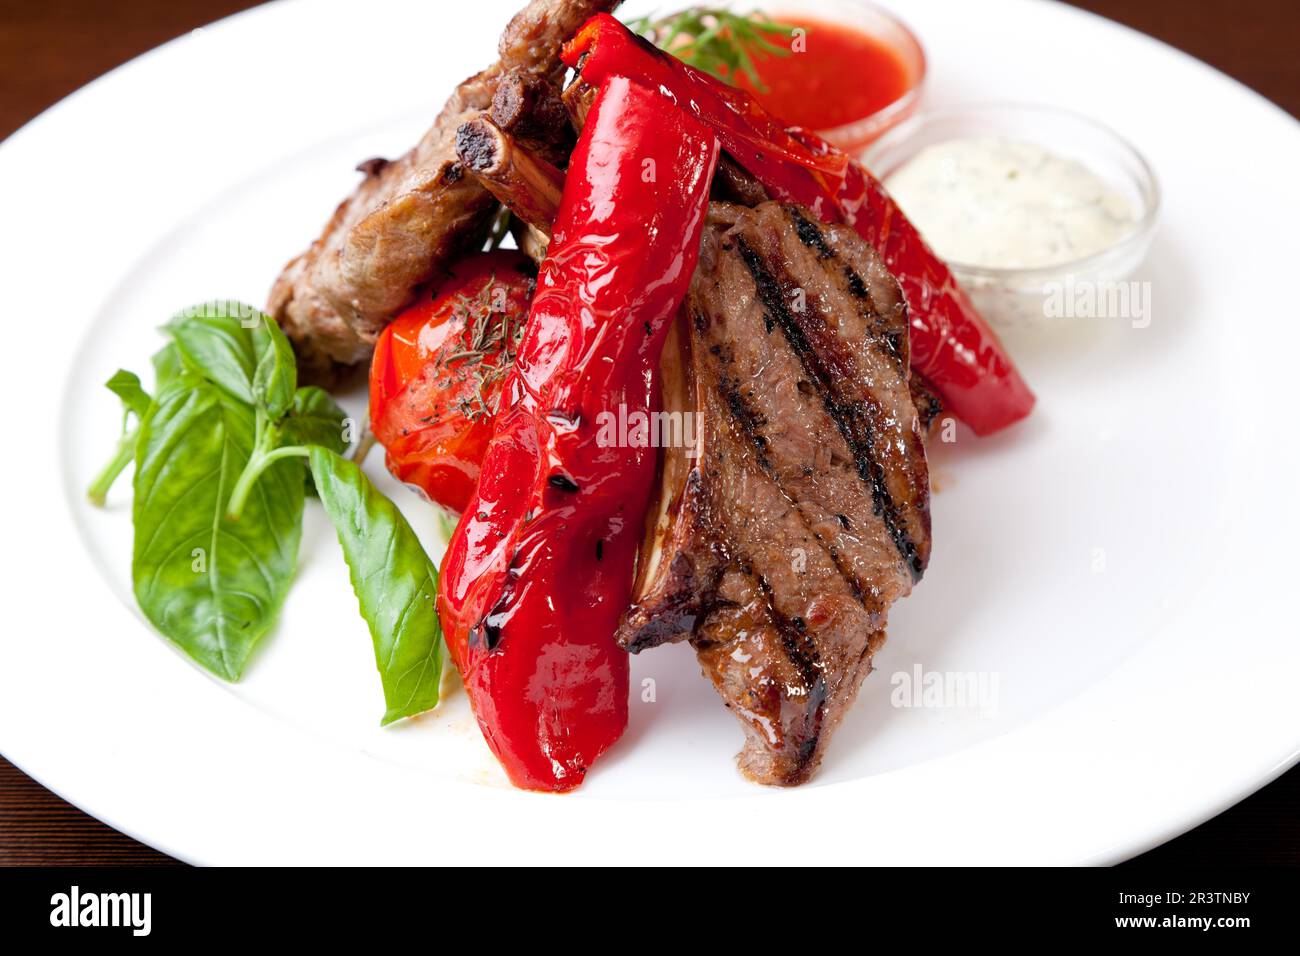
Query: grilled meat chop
803, 512
411, 216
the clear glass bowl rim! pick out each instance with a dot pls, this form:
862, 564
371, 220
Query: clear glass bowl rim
1145, 180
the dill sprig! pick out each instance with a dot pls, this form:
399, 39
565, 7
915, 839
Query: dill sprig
717, 41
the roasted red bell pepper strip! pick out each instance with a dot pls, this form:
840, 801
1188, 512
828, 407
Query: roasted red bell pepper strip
540, 567
952, 347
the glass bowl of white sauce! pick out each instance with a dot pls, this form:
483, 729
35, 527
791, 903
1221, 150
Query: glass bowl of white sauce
1042, 214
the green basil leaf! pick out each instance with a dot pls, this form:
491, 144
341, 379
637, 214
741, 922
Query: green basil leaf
215, 340
126, 386
167, 365
315, 419
211, 585
395, 582
275, 378
242, 350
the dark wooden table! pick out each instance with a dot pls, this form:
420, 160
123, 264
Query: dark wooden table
48, 48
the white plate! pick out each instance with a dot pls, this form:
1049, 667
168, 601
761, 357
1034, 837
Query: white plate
1123, 562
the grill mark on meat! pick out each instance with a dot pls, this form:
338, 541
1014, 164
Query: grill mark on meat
857, 288
881, 325
884, 329
870, 311
794, 637
812, 237
751, 425
802, 653
846, 416
879, 370
927, 403
894, 342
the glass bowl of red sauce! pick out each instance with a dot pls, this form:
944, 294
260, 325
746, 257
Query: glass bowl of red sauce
855, 73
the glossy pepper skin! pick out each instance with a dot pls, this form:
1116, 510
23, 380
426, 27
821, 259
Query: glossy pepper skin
437, 373
539, 569
952, 347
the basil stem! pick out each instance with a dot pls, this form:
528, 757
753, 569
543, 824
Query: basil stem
135, 401
123, 456
261, 460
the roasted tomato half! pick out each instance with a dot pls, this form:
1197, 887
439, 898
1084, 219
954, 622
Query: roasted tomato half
438, 370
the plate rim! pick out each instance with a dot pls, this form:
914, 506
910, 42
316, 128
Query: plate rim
53, 777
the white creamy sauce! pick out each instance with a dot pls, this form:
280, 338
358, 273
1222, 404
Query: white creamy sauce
1000, 203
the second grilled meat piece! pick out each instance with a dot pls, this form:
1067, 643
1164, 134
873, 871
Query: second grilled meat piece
804, 511
410, 216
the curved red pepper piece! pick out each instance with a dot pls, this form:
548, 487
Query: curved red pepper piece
540, 567
952, 347
760, 142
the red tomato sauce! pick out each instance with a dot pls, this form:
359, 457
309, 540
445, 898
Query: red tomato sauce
842, 75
